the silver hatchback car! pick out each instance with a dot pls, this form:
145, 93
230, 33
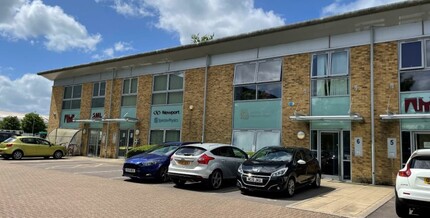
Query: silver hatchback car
208, 162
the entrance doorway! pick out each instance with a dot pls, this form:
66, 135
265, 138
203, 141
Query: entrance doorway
333, 151
126, 139
94, 143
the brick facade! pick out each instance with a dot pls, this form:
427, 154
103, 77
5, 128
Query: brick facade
55, 108
143, 108
87, 94
219, 101
192, 119
295, 88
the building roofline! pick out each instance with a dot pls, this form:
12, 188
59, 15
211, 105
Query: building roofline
293, 26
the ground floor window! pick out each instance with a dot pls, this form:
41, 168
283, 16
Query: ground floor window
126, 141
412, 141
253, 140
160, 136
95, 138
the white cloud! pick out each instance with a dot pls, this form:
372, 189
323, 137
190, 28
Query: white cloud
118, 47
340, 6
219, 17
32, 19
26, 94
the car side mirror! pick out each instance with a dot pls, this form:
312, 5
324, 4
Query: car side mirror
301, 162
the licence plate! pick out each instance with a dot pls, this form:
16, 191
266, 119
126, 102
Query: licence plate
253, 179
427, 181
183, 162
130, 170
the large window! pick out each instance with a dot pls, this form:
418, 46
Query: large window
72, 97
129, 92
98, 99
329, 74
168, 89
258, 80
253, 140
161, 136
411, 55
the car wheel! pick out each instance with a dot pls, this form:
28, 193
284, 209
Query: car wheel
162, 174
58, 154
401, 209
215, 179
291, 187
17, 155
178, 182
317, 181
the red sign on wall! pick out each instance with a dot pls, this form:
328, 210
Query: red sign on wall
418, 104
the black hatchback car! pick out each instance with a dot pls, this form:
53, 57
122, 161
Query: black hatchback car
279, 169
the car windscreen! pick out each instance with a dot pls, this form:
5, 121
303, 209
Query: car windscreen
421, 162
10, 140
273, 154
163, 150
190, 151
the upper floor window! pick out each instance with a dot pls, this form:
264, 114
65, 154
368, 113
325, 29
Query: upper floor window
412, 55
129, 92
258, 80
168, 89
329, 74
72, 97
98, 99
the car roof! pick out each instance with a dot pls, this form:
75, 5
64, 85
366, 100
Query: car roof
421, 152
208, 146
177, 143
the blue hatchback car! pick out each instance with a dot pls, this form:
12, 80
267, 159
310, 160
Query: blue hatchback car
153, 164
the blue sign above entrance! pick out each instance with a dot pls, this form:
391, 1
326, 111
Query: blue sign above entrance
166, 117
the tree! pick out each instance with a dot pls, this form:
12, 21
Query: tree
33, 123
10, 123
197, 39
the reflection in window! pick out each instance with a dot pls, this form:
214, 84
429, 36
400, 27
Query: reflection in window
72, 97
129, 92
330, 87
415, 81
245, 92
269, 91
168, 89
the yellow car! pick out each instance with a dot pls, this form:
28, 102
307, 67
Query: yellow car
29, 146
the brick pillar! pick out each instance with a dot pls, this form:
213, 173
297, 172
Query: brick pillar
143, 107
55, 108
193, 96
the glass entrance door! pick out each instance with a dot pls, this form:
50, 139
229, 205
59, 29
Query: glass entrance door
422, 140
126, 139
94, 143
333, 150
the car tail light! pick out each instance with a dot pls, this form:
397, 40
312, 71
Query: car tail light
406, 172
9, 145
204, 159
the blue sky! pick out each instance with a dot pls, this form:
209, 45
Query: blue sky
40, 35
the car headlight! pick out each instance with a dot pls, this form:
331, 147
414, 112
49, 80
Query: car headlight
280, 172
150, 163
240, 169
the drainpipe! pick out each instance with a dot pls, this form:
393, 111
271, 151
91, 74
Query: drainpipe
372, 105
204, 98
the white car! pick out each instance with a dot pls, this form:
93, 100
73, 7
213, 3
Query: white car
413, 184
207, 162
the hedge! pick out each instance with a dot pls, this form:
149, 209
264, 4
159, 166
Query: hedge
138, 150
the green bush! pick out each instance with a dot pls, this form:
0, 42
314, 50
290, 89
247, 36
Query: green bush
138, 150
250, 153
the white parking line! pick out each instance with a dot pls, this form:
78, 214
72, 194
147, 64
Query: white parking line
106, 171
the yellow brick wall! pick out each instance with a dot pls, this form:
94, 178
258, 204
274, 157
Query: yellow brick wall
192, 120
360, 103
386, 75
143, 107
219, 111
55, 108
295, 88
111, 136
87, 93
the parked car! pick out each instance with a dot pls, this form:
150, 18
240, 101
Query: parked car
152, 163
211, 163
29, 146
279, 169
413, 184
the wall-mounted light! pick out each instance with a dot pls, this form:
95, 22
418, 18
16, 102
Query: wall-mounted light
191, 107
55, 115
136, 132
84, 131
301, 135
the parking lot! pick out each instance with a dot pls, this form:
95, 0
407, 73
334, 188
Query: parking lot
93, 174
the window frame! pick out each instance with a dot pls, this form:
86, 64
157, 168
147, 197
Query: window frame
329, 76
72, 98
164, 134
167, 91
256, 70
98, 96
129, 91
423, 54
